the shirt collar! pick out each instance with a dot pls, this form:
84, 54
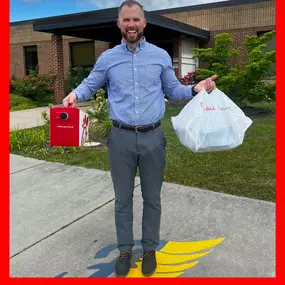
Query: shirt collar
141, 44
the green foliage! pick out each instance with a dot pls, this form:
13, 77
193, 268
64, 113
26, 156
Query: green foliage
100, 109
34, 72
21, 103
262, 91
12, 78
21, 139
218, 57
60, 149
241, 82
45, 116
76, 76
100, 124
73, 149
35, 87
100, 130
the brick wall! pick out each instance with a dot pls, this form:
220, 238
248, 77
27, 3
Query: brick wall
23, 35
100, 47
251, 15
58, 68
45, 57
17, 63
17, 58
20, 34
239, 21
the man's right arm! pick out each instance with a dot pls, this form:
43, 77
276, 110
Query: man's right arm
96, 79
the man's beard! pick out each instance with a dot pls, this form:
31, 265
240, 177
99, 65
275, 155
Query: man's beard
132, 41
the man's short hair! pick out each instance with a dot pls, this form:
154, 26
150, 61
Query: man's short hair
130, 3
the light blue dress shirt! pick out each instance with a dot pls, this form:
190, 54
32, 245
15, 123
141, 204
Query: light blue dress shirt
136, 83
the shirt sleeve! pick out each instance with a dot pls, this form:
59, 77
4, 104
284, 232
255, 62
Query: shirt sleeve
95, 80
171, 85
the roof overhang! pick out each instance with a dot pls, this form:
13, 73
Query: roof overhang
205, 6
101, 25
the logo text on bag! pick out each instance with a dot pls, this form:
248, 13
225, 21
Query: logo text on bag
225, 108
212, 108
207, 108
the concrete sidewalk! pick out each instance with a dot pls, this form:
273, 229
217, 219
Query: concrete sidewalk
62, 225
27, 118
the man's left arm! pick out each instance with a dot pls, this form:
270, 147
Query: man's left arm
171, 86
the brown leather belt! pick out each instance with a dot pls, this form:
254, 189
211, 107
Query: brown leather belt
145, 128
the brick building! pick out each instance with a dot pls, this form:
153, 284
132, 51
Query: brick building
54, 44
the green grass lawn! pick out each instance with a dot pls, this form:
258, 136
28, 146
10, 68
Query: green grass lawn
248, 170
18, 103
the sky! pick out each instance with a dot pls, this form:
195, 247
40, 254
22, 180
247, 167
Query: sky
32, 9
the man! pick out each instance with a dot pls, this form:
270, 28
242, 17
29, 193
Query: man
138, 74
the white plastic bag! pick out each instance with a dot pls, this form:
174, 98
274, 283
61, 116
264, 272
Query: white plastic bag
211, 122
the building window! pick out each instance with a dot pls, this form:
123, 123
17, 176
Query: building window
82, 54
271, 43
31, 58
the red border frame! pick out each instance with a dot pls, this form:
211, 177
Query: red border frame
4, 273
279, 154
5, 102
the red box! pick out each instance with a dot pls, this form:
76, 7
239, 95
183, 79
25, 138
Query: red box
68, 127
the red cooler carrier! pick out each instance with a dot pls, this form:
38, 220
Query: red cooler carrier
68, 127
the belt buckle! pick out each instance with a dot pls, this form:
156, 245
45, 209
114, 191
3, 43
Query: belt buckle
136, 129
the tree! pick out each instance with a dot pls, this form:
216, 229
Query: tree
241, 82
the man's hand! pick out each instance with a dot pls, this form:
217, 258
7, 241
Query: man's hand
208, 84
69, 100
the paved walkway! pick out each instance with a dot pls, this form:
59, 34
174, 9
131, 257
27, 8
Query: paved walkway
62, 225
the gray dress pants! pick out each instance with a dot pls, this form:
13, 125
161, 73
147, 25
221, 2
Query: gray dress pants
129, 151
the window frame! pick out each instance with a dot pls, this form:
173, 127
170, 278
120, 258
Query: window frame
26, 59
71, 44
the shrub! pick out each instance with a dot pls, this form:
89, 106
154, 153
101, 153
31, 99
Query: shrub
12, 89
20, 139
100, 124
75, 76
100, 130
190, 78
35, 87
100, 110
242, 82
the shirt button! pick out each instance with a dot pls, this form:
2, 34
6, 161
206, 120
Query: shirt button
135, 69
136, 112
136, 83
137, 98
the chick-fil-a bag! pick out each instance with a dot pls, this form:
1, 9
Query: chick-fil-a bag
211, 122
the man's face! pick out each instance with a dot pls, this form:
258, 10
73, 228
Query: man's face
131, 23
